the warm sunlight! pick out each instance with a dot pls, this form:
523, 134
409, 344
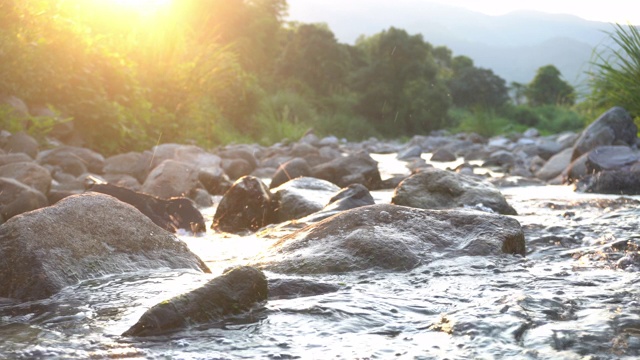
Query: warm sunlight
143, 6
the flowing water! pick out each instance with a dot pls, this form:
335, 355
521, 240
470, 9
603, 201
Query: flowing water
574, 296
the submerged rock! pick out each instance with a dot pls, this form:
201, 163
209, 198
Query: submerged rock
82, 237
295, 288
234, 292
245, 206
172, 214
392, 238
432, 188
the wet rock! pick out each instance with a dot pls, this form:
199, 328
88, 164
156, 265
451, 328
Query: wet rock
391, 237
171, 179
171, 214
357, 168
17, 198
610, 158
93, 161
245, 206
439, 189
625, 182
295, 288
214, 180
292, 169
300, 197
28, 173
614, 127
234, 292
21, 142
577, 169
555, 166
82, 237
351, 197
443, 155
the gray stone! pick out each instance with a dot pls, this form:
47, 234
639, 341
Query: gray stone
351, 197
21, 142
614, 127
82, 237
357, 168
294, 168
440, 189
391, 237
16, 157
93, 161
17, 198
610, 158
28, 173
556, 165
134, 164
301, 197
443, 155
410, 152
171, 179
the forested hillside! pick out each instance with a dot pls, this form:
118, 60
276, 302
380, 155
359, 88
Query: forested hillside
221, 71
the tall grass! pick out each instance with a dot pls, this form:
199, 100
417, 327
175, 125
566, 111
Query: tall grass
615, 76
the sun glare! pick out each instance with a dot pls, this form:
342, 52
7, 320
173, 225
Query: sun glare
143, 6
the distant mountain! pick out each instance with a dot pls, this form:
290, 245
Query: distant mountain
514, 45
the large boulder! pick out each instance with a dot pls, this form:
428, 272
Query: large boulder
171, 179
17, 198
358, 168
619, 182
28, 173
391, 237
93, 161
433, 188
614, 127
171, 214
246, 206
610, 158
292, 169
82, 237
300, 197
14, 157
236, 291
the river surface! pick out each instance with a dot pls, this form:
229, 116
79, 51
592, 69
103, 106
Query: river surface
574, 296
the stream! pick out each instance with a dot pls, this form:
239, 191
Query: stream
574, 296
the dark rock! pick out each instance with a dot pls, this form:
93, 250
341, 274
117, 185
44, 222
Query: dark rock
245, 206
295, 288
610, 158
358, 168
28, 173
171, 179
547, 148
171, 214
439, 189
392, 238
577, 169
292, 169
501, 158
21, 142
300, 197
392, 182
244, 153
443, 155
236, 168
82, 237
71, 166
410, 152
93, 161
621, 182
234, 292
17, 198
202, 198
351, 197
614, 127
214, 180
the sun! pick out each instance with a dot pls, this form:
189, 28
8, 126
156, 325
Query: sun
143, 6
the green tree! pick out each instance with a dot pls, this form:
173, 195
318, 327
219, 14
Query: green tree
400, 90
472, 87
518, 92
548, 88
314, 56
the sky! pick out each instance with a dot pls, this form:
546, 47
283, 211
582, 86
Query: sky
620, 11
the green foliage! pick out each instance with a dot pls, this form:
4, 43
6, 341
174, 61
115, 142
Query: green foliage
400, 91
615, 76
547, 88
471, 87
